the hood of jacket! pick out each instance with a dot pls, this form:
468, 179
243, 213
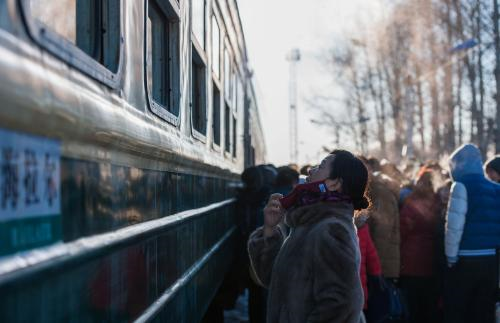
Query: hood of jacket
316, 212
466, 160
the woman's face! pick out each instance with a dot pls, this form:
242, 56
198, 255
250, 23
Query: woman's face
322, 171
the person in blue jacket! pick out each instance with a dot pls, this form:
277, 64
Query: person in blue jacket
472, 235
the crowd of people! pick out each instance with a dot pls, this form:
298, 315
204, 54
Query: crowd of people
355, 239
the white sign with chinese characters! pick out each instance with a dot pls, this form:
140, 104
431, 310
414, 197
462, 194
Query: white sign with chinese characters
29, 176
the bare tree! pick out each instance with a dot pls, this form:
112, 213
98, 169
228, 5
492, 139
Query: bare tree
416, 68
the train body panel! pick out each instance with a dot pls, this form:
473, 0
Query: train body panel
127, 163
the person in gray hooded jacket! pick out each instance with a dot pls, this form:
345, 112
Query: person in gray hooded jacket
313, 273
472, 235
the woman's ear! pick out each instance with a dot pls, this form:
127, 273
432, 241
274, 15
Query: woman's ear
334, 185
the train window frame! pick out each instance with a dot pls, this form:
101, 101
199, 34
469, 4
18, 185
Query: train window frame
216, 27
171, 11
228, 72
237, 97
215, 121
201, 43
215, 21
199, 57
70, 53
227, 80
200, 60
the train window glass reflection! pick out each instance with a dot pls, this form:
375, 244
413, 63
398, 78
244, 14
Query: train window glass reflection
198, 7
91, 25
215, 47
227, 130
161, 61
216, 115
198, 103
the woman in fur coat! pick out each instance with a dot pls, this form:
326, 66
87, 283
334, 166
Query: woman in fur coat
313, 274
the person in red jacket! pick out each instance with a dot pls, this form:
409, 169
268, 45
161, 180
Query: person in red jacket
370, 263
419, 224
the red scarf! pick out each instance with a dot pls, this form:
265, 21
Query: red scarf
310, 193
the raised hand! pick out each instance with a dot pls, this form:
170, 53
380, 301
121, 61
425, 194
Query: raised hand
273, 213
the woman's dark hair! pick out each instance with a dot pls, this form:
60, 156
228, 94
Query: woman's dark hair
354, 175
493, 163
304, 170
258, 177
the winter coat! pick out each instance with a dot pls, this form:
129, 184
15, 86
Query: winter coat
420, 219
473, 217
370, 263
313, 274
384, 223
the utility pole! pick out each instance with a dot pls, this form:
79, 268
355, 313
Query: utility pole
409, 107
496, 29
293, 58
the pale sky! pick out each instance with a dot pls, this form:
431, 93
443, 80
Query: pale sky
272, 28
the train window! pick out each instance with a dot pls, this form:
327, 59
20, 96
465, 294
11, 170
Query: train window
215, 47
75, 30
158, 54
198, 7
198, 103
216, 115
162, 50
234, 136
227, 130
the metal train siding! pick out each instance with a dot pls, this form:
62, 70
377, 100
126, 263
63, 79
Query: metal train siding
143, 219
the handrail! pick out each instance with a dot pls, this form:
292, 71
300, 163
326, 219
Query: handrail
158, 305
24, 264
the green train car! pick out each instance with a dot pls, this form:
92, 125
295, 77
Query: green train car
124, 126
